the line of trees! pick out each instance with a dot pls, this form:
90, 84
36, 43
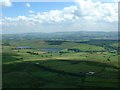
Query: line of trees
78, 50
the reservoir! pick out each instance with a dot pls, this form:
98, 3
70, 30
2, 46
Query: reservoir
51, 49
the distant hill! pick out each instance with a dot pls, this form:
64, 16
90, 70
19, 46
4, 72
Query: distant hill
79, 35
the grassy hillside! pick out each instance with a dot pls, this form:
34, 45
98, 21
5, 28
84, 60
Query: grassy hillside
36, 68
86, 47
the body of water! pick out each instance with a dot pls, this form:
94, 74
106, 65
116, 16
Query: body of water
23, 47
51, 49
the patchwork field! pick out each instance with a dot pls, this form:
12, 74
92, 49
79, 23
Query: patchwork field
58, 64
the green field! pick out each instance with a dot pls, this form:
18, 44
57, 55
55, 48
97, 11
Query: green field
69, 67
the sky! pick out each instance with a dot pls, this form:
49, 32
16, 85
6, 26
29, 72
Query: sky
78, 15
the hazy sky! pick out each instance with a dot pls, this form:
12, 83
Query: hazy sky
79, 15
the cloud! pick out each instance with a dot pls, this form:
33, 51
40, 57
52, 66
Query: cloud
116, 0
98, 11
30, 11
28, 5
85, 9
53, 16
5, 3
85, 15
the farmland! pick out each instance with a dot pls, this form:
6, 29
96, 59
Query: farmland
50, 63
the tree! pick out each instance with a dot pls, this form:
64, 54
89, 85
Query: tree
108, 59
